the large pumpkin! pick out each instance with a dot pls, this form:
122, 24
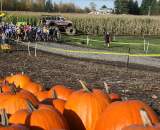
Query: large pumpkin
20, 80
33, 87
122, 114
62, 91
5, 124
55, 102
113, 96
13, 102
40, 119
42, 95
147, 124
84, 107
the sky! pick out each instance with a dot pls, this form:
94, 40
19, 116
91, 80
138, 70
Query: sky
83, 3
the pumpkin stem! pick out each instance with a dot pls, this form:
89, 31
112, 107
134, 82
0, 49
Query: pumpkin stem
1, 91
12, 74
22, 73
4, 117
84, 86
31, 107
54, 94
12, 88
106, 87
145, 118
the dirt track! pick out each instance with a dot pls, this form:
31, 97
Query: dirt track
50, 69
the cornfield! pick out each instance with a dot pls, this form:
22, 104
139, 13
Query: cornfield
97, 24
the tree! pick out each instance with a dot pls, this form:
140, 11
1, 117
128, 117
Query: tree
93, 6
121, 6
133, 7
49, 6
87, 10
104, 7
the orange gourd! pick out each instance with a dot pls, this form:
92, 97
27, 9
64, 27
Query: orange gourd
33, 87
5, 124
20, 79
113, 96
84, 107
122, 114
147, 124
62, 91
40, 119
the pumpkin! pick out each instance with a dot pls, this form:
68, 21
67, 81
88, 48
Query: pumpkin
62, 91
59, 105
122, 114
20, 80
54, 101
13, 104
42, 95
5, 124
33, 87
113, 96
147, 124
6, 87
84, 107
41, 118
21, 94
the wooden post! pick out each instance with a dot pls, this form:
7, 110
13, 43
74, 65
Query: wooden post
129, 51
29, 49
35, 52
147, 47
87, 40
144, 44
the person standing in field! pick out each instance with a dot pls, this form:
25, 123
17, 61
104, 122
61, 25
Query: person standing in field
107, 38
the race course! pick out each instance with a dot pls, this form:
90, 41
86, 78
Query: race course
103, 55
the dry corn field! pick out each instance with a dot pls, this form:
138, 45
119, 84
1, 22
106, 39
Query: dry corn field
95, 24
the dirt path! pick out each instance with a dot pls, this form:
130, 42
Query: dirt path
87, 53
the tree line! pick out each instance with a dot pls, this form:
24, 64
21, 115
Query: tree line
42, 6
147, 7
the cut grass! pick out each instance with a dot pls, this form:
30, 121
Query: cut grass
120, 44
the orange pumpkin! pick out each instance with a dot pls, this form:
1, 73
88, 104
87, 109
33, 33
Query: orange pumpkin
43, 119
20, 80
122, 114
113, 96
54, 101
59, 105
33, 87
62, 91
13, 104
147, 124
22, 94
84, 107
5, 125
42, 95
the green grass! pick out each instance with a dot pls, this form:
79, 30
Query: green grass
120, 44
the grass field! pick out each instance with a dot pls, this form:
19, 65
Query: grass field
119, 44
135, 26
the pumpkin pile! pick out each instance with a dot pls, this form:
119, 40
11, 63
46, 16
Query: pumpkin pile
26, 105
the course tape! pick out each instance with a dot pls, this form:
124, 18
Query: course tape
99, 52
113, 42
106, 53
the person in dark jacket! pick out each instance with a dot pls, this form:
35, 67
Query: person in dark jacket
107, 38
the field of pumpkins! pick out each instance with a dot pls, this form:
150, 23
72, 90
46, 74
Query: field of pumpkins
26, 105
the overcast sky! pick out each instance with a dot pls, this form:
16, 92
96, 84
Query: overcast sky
83, 3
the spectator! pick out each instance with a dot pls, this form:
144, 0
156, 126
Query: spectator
107, 38
3, 38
